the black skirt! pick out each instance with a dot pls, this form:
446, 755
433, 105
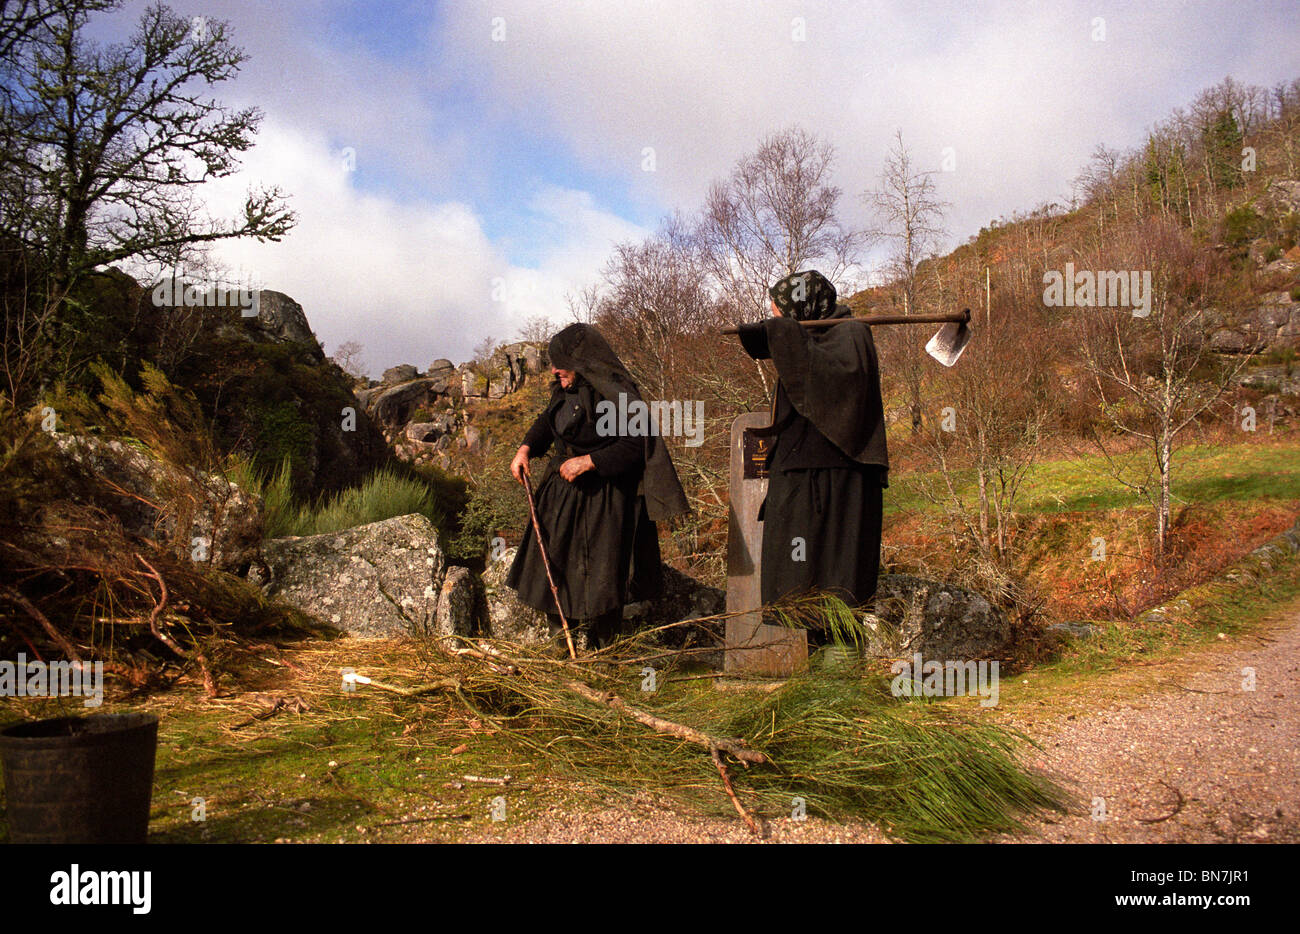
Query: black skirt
603, 548
821, 531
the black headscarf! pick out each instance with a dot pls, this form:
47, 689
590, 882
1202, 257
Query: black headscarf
805, 296
581, 348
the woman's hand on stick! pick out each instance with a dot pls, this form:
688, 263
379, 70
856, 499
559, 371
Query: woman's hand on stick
519, 466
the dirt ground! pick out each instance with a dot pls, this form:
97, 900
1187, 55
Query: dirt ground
1199, 759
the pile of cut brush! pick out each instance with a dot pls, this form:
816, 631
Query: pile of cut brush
839, 744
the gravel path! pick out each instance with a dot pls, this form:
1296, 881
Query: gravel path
1197, 759
1202, 761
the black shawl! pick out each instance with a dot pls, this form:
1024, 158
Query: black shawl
581, 348
831, 374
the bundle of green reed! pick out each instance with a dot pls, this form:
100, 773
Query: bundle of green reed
843, 748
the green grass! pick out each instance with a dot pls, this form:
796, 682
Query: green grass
1202, 474
356, 761
355, 772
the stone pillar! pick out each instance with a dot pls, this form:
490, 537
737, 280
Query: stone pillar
753, 647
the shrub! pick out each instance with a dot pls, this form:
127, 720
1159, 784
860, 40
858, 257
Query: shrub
384, 495
495, 503
1241, 225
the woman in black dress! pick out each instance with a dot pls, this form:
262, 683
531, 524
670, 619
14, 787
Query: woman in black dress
599, 497
829, 461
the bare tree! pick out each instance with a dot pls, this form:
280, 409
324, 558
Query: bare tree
1285, 131
486, 365
909, 216
537, 329
655, 301
584, 304
990, 414
1100, 182
349, 356
773, 216
1156, 375
113, 141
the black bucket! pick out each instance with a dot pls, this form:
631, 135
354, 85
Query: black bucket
80, 779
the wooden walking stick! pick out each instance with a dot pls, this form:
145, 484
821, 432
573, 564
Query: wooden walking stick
546, 563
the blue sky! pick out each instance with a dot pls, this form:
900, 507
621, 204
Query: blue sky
494, 177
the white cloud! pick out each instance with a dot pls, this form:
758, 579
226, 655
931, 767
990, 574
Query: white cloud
410, 281
1022, 92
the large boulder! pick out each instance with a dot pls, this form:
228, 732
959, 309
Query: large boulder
200, 516
378, 580
280, 319
428, 432
1236, 341
472, 386
401, 373
507, 618
536, 360
392, 406
941, 621
681, 597
443, 374
515, 363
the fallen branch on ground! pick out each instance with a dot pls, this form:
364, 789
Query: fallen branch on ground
611, 700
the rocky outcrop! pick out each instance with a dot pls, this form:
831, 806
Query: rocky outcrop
1282, 196
282, 320
202, 516
392, 406
266, 388
400, 374
279, 320
379, 580
504, 372
404, 391
507, 618
431, 432
443, 374
424, 416
942, 622
1280, 385
1271, 324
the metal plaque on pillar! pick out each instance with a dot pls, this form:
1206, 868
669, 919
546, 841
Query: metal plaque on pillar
753, 647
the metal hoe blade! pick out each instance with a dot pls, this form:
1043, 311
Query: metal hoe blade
949, 342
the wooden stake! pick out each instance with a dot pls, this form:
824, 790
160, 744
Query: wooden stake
546, 563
